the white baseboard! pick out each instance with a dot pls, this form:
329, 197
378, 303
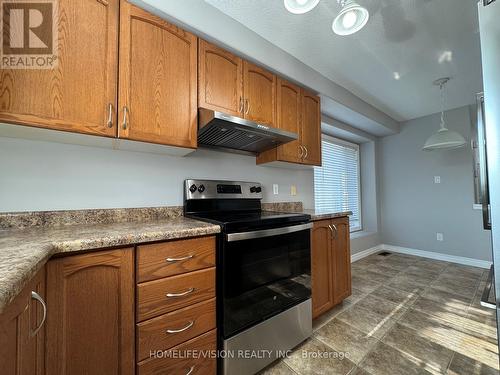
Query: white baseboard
421, 253
367, 252
438, 256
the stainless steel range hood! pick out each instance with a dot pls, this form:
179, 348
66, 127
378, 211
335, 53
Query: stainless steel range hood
234, 134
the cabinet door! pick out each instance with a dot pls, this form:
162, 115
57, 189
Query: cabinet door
158, 80
321, 268
22, 332
341, 259
289, 115
259, 87
220, 80
75, 96
90, 326
311, 128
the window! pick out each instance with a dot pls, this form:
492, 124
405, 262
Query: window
337, 181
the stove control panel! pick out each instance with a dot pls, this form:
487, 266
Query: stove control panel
213, 189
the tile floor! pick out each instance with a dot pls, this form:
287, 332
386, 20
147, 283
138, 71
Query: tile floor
406, 315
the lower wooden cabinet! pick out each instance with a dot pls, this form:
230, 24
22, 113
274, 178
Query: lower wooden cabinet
22, 331
90, 321
330, 264
196, 356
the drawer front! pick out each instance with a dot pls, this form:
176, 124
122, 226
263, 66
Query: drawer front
175, 257
204, 363
168, 330
161, 296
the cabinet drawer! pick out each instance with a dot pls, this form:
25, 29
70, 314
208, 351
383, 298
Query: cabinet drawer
175, 257
164, 295
196, 354
168, 330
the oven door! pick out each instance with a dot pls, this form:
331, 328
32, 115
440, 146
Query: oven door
264, 272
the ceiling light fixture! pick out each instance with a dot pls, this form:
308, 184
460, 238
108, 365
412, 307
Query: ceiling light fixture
444, 139
352, 18
300, 6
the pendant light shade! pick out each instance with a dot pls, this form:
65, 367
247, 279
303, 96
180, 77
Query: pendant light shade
300, 6
352, 18
444, 139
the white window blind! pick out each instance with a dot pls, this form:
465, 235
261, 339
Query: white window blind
337, 181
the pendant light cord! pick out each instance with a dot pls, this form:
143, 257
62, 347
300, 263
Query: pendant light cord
441, 88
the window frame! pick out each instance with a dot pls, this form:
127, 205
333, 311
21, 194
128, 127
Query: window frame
355, 146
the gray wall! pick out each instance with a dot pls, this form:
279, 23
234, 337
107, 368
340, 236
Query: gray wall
414, 208
36, 175
370, 236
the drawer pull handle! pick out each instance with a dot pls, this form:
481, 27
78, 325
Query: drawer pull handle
191, 369
171, 295
172, 260
36, 297
189, 325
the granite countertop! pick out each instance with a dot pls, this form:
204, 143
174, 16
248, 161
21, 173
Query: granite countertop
297, 207
324, 215
25, 251
29, 239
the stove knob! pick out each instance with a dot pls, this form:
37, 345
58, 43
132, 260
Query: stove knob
253, 189
192, 188
201, 188
258, 189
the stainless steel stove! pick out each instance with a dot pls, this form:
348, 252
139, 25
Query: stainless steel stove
263, 273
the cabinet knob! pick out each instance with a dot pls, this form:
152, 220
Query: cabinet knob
124, 124
110, 115
36, 297
247, 105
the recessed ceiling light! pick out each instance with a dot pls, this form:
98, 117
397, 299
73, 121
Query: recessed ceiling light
352, 18
300, 6
397, 76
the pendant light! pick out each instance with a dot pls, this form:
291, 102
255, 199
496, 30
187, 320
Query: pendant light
444, 139
352, 18
300, 6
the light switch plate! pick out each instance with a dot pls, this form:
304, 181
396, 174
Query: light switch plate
439, 237
275, 189
437, 179
293, 190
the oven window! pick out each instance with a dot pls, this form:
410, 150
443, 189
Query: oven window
262, 277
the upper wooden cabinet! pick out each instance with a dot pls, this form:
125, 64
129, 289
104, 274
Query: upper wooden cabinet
90, 321
220, 79
311, 128
259, 92
299, 111
22, 331
79, 95
330, 264
231, 85
289, 113
158, 80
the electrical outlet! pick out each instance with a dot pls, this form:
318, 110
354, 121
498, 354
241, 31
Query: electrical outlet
437, 179
275, 189
293, 190
439, 237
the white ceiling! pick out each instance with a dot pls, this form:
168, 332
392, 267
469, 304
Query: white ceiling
404, 36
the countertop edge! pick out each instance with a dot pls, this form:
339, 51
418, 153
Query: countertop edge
13, 286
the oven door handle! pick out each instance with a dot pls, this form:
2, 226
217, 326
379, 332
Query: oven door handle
231, 237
